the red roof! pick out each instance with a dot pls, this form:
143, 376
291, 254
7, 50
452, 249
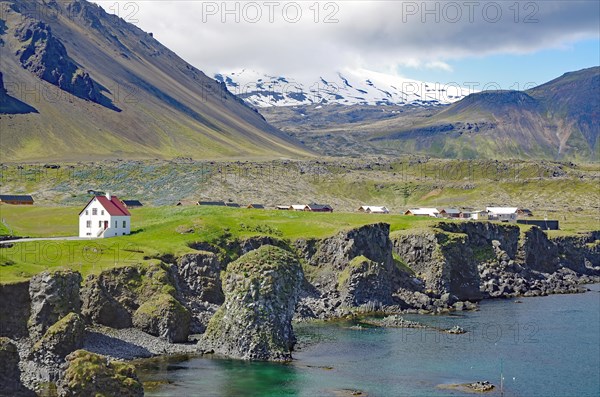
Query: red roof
114, 206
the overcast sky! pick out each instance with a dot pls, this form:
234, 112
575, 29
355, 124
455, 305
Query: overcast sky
507, 42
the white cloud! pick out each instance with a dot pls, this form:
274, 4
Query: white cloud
439, 65
377, 35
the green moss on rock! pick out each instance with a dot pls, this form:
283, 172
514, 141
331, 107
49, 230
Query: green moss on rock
63, 337
261, 290
90, 374
163, 315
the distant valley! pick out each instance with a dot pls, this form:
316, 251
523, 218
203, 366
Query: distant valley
559, 120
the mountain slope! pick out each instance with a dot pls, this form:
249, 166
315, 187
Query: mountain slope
102, 88
347, 87
557, 120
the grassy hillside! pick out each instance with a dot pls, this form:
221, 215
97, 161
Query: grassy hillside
565, 191
160, 231
146, 103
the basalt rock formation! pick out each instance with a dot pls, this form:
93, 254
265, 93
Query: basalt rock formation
255, 321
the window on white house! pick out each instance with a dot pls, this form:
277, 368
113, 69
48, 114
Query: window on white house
99, 223
124, 224
87, 212
88, 224
94, 211
116, 225
102, 212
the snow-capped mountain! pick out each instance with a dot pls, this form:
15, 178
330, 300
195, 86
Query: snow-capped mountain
348, 87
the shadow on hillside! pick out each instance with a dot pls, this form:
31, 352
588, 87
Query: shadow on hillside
11, 105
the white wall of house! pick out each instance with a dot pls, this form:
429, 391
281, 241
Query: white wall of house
118, 226
95, 221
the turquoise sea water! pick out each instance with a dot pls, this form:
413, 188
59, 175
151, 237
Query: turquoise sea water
546, 346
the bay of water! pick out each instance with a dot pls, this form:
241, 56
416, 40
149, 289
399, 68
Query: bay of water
545, 346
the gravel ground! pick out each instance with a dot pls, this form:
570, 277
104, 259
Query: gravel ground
120, 344
131, 343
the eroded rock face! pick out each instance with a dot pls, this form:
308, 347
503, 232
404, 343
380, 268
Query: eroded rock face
53, 296
10, 382
446, 261
100, 306
89, 374
62, 338
199, 286
199, 275
370, 241
255, 321
14, 309
580, 253
142, 296
365, 282
539, 253
483, 233
353, 270
163, 316
45, 55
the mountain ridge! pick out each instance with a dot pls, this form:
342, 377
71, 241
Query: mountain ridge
155, 104
558, 120
345, 87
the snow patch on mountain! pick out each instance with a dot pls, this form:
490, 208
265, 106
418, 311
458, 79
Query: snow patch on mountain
347, 87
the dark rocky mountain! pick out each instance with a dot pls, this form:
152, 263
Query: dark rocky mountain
83, 84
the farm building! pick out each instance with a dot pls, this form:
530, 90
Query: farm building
433, 212
504, 214
132, 203
185, 203
233, 205
256, 206
104, 216
212, 203
314, 207
524, 213
16, 199
451, 213
284, 207
372, 209
299, 207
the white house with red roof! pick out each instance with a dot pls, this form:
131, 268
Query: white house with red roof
104, 216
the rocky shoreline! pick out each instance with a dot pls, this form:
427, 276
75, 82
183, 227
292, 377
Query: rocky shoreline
240, 300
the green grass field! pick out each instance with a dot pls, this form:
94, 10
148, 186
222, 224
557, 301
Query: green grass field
160, 231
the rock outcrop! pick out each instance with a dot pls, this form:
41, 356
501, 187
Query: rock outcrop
198, 279
14, 309
365, 282
353, 270
163, 315
10, 374
142, 296
53, 296
475, 260
538, 253
446, 261
45, 55
89, 374
580, 253
62, 338
200, 275
255, 321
